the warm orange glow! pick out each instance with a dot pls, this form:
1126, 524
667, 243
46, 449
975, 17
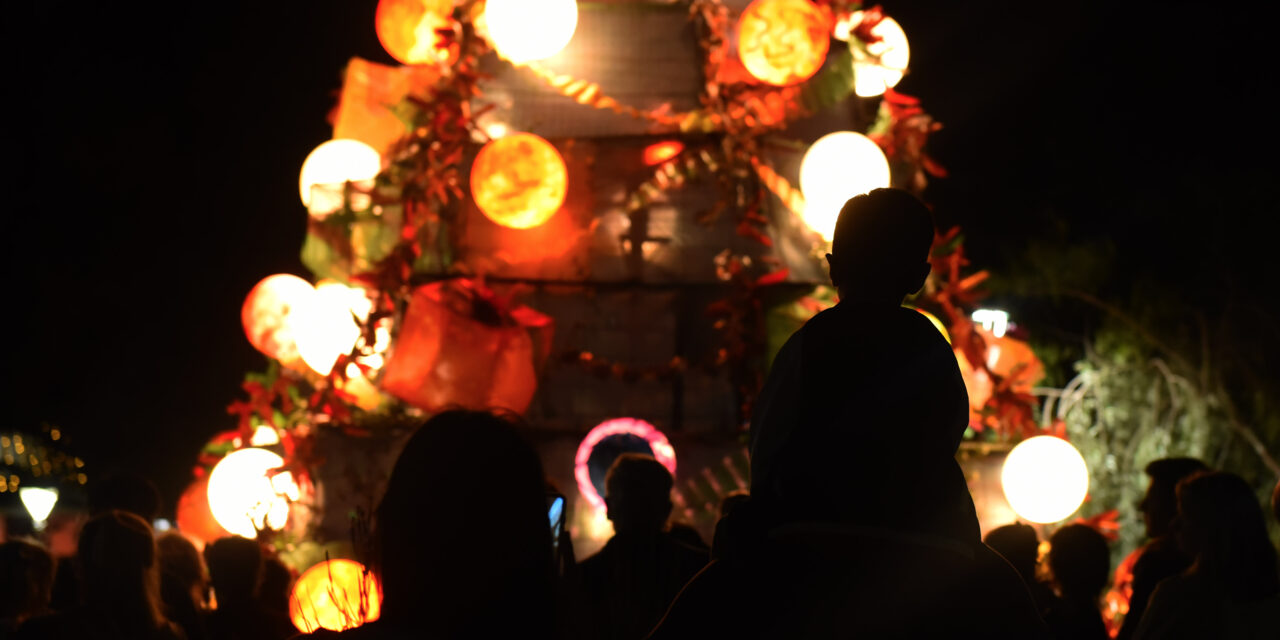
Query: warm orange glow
195, 520
783, 42
519, 181
335, 595
660, 152
269, 315
407, 29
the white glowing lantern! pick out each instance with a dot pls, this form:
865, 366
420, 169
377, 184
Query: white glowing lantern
527, 30
39, 502
837, 167
333, 163
1044, 479
877, 65
326, 327
245, 498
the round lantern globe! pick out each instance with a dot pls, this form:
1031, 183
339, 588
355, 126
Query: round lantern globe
326, 325
528, 30
268, 314
879, 65
519, 181
407, 29
194, 518
1044, 479
336, 162
244, 498
335, 595
783, 42
837, 167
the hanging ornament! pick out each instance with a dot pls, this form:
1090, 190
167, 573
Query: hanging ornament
336, 595
407, 29
837, 167
880, 51
519, 181
458, 346
1044, 479
527, 30
244, 498
782, 42
333, 163
625, 435
269, 315
326, 326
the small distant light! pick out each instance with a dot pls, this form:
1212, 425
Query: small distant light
496, 130
993, 320
55, 434
264, 436
81, 478
79, 463
161, 524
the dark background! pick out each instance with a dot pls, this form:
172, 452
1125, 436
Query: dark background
157, 150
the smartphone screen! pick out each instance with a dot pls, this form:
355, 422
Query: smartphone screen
555, 517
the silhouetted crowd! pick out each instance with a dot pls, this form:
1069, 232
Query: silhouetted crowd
858, 523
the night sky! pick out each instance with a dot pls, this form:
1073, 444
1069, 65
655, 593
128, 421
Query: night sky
157, 154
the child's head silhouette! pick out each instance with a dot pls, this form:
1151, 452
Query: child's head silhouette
880, 250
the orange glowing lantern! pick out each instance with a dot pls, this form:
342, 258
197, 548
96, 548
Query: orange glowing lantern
660, 152
194, 519
519, 181
407, 29
783, 42
326, 327
335, 595
268, 315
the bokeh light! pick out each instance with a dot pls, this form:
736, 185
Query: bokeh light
326, 325
1044, 479
783, 42
407, 29
837, 167
245, 498
335, 162
879, 65
335, 595
527, 30
269, 314
519, 181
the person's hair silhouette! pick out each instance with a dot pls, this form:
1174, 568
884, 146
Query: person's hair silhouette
637, 493
235, 569
1232, 589
1020, 545
1160, 504
26, 577
880, 249
464, 543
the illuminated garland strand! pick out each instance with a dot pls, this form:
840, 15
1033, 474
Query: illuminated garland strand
586, 92
789, 195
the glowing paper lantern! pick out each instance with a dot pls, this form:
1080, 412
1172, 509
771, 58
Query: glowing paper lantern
268, 314
660, 152
527, 30
407, 29
663, 452
39, 502
332, 163
879, 65
326, 324
245, 498
519, 181
1044, 479
837, 167
194, 518
336, 595
783, 42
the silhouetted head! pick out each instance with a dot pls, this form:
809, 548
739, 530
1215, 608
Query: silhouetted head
125, 491
235, 569
277, 581
1019, 544
180, 561
732, 501
1160, 504
1220, 523
1080, 561
462, 531
118, 567
638, 494
26, 579
880, 249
